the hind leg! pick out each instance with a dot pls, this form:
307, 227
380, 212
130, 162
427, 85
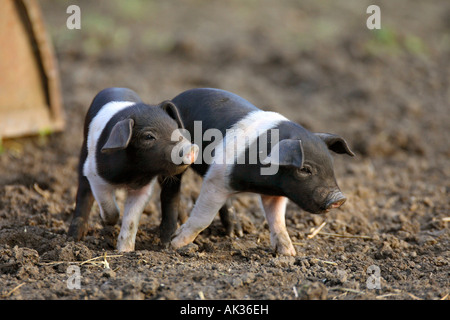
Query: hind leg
170, 200
104, 194
84, 201
229, 220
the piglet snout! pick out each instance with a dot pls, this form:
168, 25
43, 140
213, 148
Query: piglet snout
336, 201
188, 153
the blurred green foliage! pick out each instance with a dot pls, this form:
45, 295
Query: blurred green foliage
387, 41
151, 25
101, 32
111, 26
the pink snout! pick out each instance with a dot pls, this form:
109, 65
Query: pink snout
336, 203
189, 153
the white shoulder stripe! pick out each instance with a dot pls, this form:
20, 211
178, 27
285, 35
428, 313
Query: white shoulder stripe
96, 128
241, 135
259, 120
247, 131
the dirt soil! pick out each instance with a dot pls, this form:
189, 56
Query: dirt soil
386, 92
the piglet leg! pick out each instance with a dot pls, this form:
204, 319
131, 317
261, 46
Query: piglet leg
211, 199
134, 205
170, 198
275, 209
79, 224
104, 194
230, 220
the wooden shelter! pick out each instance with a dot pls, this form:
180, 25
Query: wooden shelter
30, 92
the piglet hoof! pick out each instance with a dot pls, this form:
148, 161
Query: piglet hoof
286, 251
125, 245
283, 246
125, 248
238, 230
181, 238
165, 244
234, 229
110, 219
178, 242
77, 229
230, 221
165, 235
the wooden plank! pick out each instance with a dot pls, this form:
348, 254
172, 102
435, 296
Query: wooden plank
30, 97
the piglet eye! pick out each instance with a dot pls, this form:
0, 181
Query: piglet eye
149, 137
306, 170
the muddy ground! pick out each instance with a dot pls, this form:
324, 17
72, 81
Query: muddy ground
386, 92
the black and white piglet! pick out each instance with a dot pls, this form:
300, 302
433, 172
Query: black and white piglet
127, 144
296, 165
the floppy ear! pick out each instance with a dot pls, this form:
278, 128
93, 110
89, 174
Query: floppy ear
171, 109
335, 143
287, 152
120, 136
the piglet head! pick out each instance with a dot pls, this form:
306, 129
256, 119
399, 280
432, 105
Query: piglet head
145, 139
306, 173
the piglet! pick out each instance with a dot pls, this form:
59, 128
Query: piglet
245, 149
127, 144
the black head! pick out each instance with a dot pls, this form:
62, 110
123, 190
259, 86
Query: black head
305, 174
138, 142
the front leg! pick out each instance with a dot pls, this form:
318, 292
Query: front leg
134, 205
212, 197
170, 198
275, 209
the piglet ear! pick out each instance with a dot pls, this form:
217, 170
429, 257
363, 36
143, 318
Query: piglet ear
287, 152
335, 143
171, 109
119, 137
